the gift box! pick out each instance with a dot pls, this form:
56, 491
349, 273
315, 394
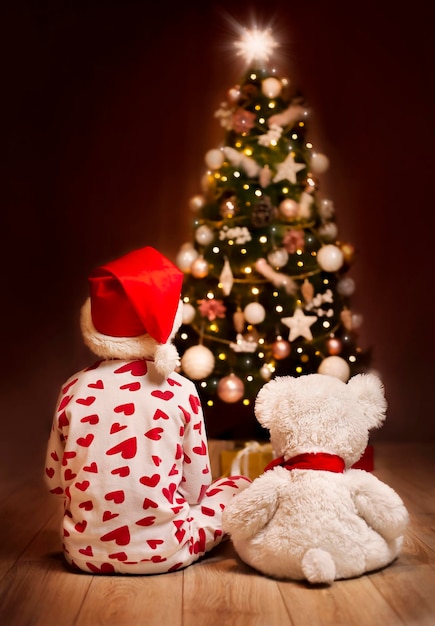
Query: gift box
248, 459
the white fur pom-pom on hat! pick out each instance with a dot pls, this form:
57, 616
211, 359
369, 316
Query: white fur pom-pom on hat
134, 309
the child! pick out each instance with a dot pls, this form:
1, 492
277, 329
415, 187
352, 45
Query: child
128, 450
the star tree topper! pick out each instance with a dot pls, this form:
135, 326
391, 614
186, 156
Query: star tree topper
299, 324
256, 45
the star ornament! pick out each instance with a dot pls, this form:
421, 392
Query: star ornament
288, 169
299, 325
256, 45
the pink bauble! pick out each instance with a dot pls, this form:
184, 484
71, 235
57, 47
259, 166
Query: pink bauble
288, 208
230, 389
254, 313
280, 349
330, 258
335, 366
334, 345
199, 268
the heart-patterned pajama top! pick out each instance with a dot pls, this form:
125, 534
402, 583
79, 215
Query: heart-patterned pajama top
128, 454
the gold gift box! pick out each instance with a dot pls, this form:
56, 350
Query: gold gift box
248, 460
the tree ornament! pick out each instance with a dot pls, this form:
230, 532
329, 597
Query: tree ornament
265, 372
228, 206
346, 319
278, 279
212, 309
196, 203
319, 163
204, 235
254, 313
243, 121
185, 257
243, 345
199, 267
348, 251
334, 345
214, 158
197, 362
262, 213
326, 209
294, 113
346, 286
271, 87
357, 320
234, 94
328, 232
288, 208
299, 324
288, 169
305, 206
330, 258
335, 366
226, 278
239, 159
188, 313
230, 389
239, 320
265, 176
278, 257
293, 240
280, 349
307, 291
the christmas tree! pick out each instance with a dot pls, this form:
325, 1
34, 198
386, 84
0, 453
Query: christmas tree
266, 291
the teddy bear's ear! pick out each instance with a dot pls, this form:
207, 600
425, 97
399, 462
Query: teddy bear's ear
369, 392
269, 398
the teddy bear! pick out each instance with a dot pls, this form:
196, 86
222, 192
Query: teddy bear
310, 515
127, 451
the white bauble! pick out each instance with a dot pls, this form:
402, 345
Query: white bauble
278, 257
197, 362
328, 231
326, 209
214, 158
196, 202
271, 87
330, 258
185, 257
265, 372
188, 313
254, 313
319, 163
199, 267
346, 286
204, 235
335, 366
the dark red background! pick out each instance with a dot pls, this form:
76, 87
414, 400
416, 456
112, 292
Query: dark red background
107, 114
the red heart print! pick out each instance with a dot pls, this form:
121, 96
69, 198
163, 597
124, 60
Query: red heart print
49, 471
178, 452
153, 543
121, 536
92, 419
97, 385
117, 496
176, 509
64, 402
156, 460
201, 450
186, 414
162, 395
173, 382
69, 385
180, 534
121, 471
150, 481
160, 415
149, 504
169, 492
194, 403
54, 456
206, 470
136, 368
63, 420
69, 474
212, 492
86, 551
91, 468
155, 434
81, 526
127, 449
86, 401
88, 506
135, 386
109, 515
173, 470
66, 456
146, 521
198, 427
157, 559
174, 568
119, 556
94, 366
127, 409
229, 483
106, 568
83, 485
57, 490
85, 442
117, 427
209, 512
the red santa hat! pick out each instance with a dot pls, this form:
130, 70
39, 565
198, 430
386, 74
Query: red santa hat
134, 308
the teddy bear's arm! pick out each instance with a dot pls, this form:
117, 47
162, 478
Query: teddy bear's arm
378, 504
249, 511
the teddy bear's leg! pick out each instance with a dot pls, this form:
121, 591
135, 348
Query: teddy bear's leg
383, 553
318, 566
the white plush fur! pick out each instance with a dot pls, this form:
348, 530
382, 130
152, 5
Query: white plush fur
317, 525
128, 348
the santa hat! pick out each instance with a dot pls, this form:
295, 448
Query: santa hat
134, 309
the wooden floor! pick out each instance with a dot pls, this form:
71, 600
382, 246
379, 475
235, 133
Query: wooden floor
36, 588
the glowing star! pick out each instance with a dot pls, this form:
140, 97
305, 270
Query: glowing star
288, 169
256, 45
299, 325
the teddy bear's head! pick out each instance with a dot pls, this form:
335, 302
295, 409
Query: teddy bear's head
321, 413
